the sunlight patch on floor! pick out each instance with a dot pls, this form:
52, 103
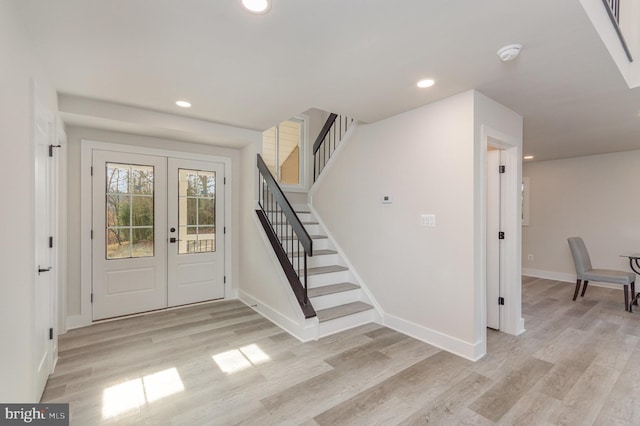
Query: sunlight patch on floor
239, 359
135, 393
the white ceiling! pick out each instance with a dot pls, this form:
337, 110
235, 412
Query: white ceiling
356, 57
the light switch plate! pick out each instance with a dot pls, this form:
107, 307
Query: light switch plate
386, 199
428, 220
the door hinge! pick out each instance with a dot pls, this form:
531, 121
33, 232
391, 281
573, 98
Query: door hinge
51, 149
224, 230
502, 169
50, 242
501, 235
225, 181
92, 234
91, 170
500, 300
51, 334
91, 297
224, 280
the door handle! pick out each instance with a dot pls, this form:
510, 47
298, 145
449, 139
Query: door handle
41, 270
173, 240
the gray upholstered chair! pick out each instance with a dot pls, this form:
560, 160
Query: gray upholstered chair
586, 273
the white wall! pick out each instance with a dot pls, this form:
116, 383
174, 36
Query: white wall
75, 135
18, 67
423, 159
592, 197
427, 159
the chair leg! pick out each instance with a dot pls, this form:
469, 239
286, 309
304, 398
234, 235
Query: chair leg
626, 298
584, 289
633, 294
575, 294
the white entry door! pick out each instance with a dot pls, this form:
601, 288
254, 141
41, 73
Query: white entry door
158, 232
196, 231
129, 233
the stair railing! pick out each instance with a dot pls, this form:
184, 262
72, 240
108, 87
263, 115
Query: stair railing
329, 138
613, 10
288, 237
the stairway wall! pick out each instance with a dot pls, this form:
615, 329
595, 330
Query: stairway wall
261, 280
423, 278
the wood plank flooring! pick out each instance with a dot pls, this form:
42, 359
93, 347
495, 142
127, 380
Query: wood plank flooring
223, 364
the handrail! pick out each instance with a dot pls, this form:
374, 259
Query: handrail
330, 136
288, 237
613, 10
296, 224
324, 131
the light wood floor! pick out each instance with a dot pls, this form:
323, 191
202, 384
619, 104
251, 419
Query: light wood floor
577, 364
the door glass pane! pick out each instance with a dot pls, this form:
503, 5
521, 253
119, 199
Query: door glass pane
196, 211
142, 180
129, 211
118, 243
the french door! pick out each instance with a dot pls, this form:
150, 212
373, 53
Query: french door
196, 242
156, 239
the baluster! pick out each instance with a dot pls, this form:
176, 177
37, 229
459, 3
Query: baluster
306, 298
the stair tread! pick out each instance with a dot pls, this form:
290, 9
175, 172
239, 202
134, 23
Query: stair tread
326, 269
303, 222
342, 311
303, 211
313, 237
332, 289
320, 252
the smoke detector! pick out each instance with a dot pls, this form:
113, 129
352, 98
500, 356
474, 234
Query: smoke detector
510, 52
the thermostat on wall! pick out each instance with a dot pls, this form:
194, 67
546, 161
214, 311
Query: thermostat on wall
386, 199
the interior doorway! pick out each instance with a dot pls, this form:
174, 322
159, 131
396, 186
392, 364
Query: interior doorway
494, 233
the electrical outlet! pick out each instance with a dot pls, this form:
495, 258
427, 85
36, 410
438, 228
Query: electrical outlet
530, 258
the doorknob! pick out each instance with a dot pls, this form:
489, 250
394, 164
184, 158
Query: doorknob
172, 240
41, 270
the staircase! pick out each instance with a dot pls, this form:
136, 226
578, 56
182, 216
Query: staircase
340, 303
330, 297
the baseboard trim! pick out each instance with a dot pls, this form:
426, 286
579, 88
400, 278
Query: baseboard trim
76, 321
470, 351
304, 332
561, 276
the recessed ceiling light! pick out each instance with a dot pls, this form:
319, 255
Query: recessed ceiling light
426, 83
528, 157
256, 6
183, 104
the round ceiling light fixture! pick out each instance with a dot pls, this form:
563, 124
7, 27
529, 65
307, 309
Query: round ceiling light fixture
257, 6
425, 83
183, 104
510, 52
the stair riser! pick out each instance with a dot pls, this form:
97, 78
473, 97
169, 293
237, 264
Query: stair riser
336, 299
330, 278
305, 217
343, 323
